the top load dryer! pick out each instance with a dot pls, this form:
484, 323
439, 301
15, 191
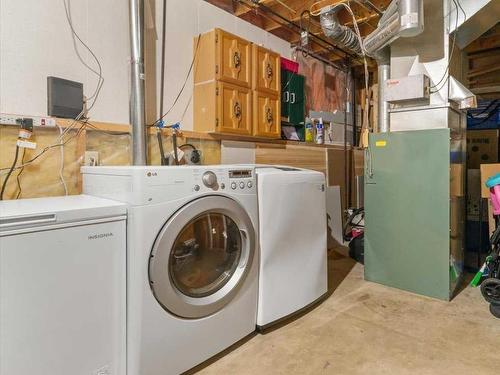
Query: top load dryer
293, 235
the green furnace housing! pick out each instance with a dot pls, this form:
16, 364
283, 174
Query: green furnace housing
415, 210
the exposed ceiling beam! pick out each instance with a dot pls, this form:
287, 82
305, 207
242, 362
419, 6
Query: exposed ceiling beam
282, 18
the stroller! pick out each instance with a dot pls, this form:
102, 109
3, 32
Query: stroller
353, 232
490, 287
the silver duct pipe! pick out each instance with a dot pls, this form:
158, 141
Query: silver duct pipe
411, 15
340, 34
384, 73
137, 105
384, 35
403, 18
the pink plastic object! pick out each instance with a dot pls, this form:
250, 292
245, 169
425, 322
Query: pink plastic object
356, 232
495, 199
290, 65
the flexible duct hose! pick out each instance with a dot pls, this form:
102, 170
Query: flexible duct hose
340, 34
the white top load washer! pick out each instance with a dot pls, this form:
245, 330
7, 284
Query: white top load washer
192, 260
292, 235
62, 286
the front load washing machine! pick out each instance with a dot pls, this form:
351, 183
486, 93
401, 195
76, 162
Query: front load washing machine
192, 260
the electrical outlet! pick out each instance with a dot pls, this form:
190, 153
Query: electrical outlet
44, 121
9, 119
6, 119
91, 158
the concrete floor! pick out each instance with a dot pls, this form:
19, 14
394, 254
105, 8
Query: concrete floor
366, 328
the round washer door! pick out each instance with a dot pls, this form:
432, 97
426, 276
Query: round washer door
201, 257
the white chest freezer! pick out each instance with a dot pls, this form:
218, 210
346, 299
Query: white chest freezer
293, 241
62, 286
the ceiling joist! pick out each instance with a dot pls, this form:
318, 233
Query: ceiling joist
286, 18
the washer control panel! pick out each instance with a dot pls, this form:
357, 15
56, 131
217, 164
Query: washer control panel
225, 179
209, 179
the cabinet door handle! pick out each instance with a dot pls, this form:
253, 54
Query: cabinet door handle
286, 95
269, 71
237, 110
269, 116
292, 97
236, 59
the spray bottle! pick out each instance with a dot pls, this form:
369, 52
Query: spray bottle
320, 132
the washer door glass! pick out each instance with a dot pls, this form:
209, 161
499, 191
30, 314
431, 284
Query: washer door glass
205, 255
202, 256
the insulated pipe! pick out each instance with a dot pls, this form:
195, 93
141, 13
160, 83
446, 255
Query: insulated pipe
137, 105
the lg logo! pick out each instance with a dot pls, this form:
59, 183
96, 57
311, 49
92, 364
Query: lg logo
152, 174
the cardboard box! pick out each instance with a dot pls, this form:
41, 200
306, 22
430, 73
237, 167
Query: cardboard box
482, 147
474, 196
487, 170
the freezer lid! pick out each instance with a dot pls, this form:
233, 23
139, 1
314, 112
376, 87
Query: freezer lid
35, 212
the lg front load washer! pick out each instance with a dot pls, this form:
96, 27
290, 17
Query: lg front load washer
192, 260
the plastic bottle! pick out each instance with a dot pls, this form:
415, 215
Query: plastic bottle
309, 131
320, 132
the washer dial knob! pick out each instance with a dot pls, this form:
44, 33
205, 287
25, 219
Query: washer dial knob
209, 179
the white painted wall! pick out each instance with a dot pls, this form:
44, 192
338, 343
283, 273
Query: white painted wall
36, 42
185, 20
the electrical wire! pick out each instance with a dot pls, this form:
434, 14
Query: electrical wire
183, 85
61, 141
61, 169
363, 51
18, 177
11, 169
163, 51
47, 148
100, 80
93, 127
445, 78
306, 29
188, 145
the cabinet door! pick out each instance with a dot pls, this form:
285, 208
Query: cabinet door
267, 122
296, 100
234, 109
266, 70
285, 93
234, 59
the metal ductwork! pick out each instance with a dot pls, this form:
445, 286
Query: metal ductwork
403, 18
137, 104
340, 34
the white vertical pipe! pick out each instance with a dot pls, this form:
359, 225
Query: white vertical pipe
137, 105
384, 73
383, 58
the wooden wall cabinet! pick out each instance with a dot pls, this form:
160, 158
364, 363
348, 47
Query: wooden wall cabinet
223, 107
266, 70
266, 115
237, 86
223, 56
